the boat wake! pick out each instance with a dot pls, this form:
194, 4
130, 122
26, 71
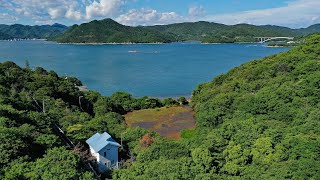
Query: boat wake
144, 52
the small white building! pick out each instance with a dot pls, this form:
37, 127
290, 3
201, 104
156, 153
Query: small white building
105, 150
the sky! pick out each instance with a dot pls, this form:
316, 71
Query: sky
289, 13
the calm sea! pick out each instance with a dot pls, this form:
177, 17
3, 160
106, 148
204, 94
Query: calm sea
162, 70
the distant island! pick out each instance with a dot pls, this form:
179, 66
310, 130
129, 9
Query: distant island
110, 31
18, 31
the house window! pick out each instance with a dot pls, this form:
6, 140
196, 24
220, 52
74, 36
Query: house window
105, 154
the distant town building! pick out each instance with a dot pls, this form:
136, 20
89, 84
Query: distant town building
105, 150
291, 42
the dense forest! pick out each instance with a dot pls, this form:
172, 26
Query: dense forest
33, 103
19, 31
258, 121
219, 33
4, 36
209, 32
109, 31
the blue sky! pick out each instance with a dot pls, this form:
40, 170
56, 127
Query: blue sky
290, 13
213, 6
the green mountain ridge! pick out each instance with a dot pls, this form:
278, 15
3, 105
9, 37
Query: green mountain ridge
220, 33
4, 36
258, 121
109, 31
19, 31
311, 29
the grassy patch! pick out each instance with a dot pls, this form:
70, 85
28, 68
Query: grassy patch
166, 121
188, 133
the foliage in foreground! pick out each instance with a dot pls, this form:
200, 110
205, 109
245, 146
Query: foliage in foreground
258, 121
33, 102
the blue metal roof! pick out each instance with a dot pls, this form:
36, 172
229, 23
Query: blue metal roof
99, 141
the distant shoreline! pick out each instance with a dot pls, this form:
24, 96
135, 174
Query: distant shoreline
234, 43
107, 43
17, 39
155, 43
280, 46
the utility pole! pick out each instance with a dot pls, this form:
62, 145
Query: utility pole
43, 108
80, 102
122, 138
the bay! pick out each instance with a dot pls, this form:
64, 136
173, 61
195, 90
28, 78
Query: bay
157, 70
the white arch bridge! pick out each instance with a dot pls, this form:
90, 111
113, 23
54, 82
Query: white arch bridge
266, 39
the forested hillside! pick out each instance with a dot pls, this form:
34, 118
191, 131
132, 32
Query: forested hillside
33, 103
219, 33
209, 32
19, 31
109, 31
258, 121
311, 29
4, 36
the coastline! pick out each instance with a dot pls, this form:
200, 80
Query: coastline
233, 43
16, 39
154, 43
280, 46
109, 43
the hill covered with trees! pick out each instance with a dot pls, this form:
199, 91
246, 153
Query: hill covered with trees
4, 36
18, 31
214, 32
33, 103
109, 31
209, 32
258, 121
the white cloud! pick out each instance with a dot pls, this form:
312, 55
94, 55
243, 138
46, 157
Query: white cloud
72, 14
147, 16
55, 13
7, 18
103, 8
196, 12
44, 10
299, 13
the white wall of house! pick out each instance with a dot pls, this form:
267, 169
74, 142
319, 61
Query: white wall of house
107, 157
95, 154
110, 152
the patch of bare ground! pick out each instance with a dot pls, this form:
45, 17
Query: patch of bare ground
167, 121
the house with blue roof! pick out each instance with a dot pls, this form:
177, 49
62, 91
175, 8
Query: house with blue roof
105, 150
